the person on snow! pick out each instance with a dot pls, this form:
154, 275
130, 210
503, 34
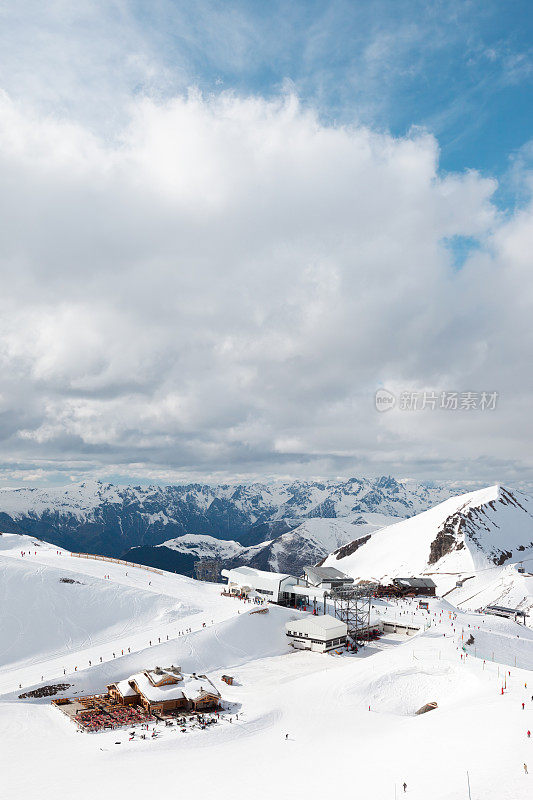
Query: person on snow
525, 768
286, 736
404, 786
529, 734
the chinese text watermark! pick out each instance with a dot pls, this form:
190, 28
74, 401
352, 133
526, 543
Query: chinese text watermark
432, 401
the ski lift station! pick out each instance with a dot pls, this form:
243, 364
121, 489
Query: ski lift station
273, 586
517, 614
326, 578
287, 589
317, 632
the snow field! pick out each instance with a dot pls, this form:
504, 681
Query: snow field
48, 627
322, 703
336, 745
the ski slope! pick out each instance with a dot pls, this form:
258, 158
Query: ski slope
337, 711
310, 723
490, 534
49, 627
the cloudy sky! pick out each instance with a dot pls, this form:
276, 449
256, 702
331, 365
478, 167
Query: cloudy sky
226, 225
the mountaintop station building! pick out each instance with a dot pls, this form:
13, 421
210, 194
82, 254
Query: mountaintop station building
279, 587
273, 586
416, 586
326, 578
317, 633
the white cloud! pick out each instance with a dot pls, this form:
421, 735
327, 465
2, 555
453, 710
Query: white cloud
222, 287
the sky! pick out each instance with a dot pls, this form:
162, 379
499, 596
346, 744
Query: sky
227, 225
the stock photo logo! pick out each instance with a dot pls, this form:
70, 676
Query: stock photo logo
384, 400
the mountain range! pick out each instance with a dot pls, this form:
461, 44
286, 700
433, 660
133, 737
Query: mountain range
372, 529
279, 525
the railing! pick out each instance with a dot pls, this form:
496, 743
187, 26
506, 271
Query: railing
117, 561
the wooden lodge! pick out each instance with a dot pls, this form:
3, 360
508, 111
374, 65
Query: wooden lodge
161, 690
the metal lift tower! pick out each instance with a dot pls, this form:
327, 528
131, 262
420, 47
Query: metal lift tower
352, 605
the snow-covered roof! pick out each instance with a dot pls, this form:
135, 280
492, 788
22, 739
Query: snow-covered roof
326, 574
417, 583
322, 623
125, 689
251, 572
269, 582
158, 675
156, 694
194, 688
190, 687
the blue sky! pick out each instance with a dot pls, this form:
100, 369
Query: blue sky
463, 70
226, 224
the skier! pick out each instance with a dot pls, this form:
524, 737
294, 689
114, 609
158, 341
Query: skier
286, 736
525, 768
529, 734
404, 786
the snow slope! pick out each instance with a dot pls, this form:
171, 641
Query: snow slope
48, 626
336, 710
481, 536
313, 540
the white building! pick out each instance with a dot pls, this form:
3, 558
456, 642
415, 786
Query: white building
274, 586
319, 633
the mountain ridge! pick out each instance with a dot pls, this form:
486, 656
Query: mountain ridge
102, 518
484, 537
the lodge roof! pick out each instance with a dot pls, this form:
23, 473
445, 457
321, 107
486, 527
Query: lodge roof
416, 583
190, 687
327, 574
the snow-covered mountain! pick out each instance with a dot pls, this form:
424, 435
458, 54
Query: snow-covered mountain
305, 544
479, 539
101, 518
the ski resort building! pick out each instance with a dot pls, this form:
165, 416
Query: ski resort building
167, 689
416, 586
274, 586
326, 578
318, 633
140, 698
516, 614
